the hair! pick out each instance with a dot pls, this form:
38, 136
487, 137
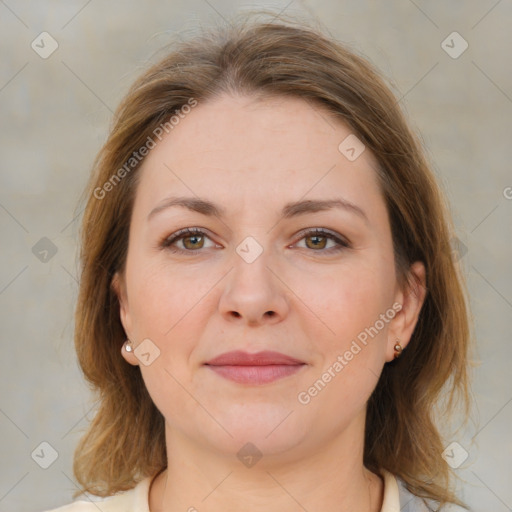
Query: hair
125, 440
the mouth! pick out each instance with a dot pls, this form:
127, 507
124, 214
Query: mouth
258, 368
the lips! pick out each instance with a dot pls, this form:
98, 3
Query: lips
265, 358
253, 369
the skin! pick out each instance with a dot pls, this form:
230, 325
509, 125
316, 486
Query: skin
251, 157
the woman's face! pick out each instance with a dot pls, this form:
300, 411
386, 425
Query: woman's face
257, 278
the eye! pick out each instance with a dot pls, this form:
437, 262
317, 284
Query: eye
192, 239
319, 238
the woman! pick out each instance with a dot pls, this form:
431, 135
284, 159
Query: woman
269, 307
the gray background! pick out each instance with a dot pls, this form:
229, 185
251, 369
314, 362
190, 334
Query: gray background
56, 113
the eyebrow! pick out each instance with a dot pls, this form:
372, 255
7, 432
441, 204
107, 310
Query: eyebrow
290, 210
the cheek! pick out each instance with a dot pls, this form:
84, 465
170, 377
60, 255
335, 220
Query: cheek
163, 298
347, 299
166, 307
351, 357
355, 304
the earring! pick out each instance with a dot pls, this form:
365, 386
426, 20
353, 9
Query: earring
398, 349
128, 346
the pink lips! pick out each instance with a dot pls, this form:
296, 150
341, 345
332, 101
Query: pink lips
259, 368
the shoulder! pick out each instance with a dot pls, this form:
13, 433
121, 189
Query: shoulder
119, 502
111, 504
133, 500
409, 502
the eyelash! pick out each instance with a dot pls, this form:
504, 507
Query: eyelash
167, 242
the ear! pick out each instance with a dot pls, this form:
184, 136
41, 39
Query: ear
411, 299
119, 288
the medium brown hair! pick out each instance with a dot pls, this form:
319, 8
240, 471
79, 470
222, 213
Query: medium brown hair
125, 441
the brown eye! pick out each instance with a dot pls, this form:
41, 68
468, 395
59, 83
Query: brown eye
192, 240
318, 239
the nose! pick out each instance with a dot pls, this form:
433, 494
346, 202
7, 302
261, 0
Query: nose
253, 294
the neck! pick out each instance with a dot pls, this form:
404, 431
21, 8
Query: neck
332, 477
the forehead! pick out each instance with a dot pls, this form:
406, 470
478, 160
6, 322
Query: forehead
257, 151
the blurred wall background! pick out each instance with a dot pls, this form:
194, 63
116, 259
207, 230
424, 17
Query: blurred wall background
56, 106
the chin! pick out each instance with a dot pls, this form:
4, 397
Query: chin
271, 430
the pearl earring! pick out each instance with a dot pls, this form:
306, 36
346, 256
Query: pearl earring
398, 349
128, 346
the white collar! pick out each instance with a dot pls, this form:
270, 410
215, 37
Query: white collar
390, 502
